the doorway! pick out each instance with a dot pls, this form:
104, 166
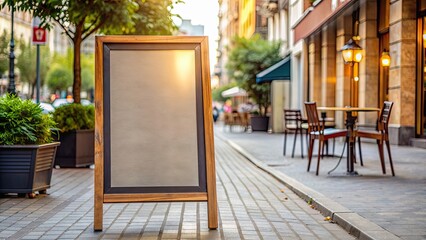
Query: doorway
421, 78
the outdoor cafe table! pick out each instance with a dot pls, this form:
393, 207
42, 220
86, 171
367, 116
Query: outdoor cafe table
350, 123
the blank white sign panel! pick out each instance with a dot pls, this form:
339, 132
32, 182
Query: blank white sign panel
153, 118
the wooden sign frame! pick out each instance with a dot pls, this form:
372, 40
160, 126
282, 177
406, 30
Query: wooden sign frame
114, 56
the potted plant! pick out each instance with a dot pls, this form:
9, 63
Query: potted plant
247, 58
258, 122
76, 132
27, 149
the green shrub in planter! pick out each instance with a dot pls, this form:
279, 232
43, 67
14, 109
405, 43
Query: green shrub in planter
76, 123
74, 116
27, 150
22, 122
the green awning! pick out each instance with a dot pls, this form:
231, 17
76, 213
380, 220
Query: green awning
278, 71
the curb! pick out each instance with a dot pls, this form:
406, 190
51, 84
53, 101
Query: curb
352, 222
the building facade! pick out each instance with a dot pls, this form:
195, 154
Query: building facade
237, 18
380, 27
313, 34
227, 28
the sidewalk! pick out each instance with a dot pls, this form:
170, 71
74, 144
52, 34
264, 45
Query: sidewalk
252, 205
371, 205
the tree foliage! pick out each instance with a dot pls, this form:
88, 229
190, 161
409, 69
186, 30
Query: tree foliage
154, 17
26, 62
59, 77
87, 72
4, 52
81, 18
217, 92
247, 58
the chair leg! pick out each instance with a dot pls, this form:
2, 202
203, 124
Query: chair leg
354, 152
294, 142
380, 145
347, 153
285, 142
310, 150
307, 139
390, 157
301, 142
321, 146
360, 151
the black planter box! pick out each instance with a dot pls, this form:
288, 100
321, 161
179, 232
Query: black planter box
26, 168
77, 149
259, 123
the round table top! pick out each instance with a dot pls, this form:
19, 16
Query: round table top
349, 109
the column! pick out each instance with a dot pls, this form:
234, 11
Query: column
315, 69
328, 66
368, 84
343, 34
402, 72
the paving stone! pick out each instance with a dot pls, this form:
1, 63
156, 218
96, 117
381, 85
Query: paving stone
386, 201
250, 205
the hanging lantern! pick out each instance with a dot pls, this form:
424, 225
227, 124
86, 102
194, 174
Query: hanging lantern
351, 52
385, 58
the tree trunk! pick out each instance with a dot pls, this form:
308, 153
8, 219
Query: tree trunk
76, 88
33, 86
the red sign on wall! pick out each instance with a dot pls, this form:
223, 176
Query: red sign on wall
39, 35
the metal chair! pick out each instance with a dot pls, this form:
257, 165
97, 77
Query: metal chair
317, 130
381, 135
293, 123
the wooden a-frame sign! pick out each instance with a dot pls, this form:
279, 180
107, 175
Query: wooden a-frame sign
153, 123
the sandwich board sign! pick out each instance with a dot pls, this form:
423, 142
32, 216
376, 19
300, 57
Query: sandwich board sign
153, 122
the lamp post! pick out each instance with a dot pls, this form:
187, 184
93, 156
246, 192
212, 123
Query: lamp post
385, 60
351, 53
11, 87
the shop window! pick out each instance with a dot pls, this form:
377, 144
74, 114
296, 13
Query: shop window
422, 4
384, 9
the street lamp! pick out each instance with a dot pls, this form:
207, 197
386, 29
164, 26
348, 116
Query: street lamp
351, 53
11, 87
385, 58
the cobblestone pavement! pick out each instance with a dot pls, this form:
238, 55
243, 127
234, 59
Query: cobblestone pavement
252, 205
379, 206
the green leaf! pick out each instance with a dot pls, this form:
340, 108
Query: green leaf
23, 122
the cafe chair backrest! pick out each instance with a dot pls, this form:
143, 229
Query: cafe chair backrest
293, 118
314, 123
385, 116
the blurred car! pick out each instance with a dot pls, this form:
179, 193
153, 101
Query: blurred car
47, 107
85, 102
61, 101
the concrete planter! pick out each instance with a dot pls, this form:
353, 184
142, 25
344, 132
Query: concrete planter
25, 169
77, 149
259, 123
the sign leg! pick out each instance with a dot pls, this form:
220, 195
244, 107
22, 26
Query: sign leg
212, 214
98, 214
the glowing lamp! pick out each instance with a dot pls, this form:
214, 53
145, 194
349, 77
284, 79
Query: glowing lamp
385, 59
351, 52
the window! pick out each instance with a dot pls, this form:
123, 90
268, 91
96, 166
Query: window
383, 16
